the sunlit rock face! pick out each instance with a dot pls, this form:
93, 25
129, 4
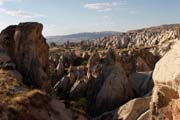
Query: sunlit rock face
136, 109
165, 99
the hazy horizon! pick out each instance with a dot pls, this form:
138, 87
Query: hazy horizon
70, 16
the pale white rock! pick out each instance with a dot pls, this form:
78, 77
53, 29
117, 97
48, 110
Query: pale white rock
167, 69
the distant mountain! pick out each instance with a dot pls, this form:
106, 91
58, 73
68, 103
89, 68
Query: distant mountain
80, 36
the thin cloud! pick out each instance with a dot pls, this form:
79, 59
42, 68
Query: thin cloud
22, 14
105, 6
100, 6
105, 16
4, 1
133, 12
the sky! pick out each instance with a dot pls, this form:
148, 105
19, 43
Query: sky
61, 17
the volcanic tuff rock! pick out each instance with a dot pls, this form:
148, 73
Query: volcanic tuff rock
142, 83
25, 42
136, 109
94, 65
165, 99
29, 50
109, 87
115, 90
119, 69
137, 60
18, 102
161, 37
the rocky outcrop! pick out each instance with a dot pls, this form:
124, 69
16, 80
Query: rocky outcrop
23, 55
165, 99
108, 86
118, 68
137, 60
94, 65
136, 109
29, 50
18, 102
69, 83
161, 37
115, 90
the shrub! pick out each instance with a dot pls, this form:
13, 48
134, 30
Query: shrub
53, 75
85, 62
81, 103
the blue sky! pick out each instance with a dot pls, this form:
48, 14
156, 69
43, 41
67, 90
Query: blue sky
73, 16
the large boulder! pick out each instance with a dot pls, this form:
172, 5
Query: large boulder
165, 99
108, 85
136, 109
115, 90
28, 49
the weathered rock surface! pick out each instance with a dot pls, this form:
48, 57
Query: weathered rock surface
94, 65
142, 83
79, 89
120, 69
161, 37
165, 99
108, 86
60, 70
25, 46
7, 40
137, 60
18, 102
115, 90
136, 109
29, 50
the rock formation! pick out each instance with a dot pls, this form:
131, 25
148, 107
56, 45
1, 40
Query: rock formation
165, 99
136, 109
19, 102
26, 47
109, 87
115, 90
109, 78
119, 71
29, 50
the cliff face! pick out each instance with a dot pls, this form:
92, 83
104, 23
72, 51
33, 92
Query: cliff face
29, 51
